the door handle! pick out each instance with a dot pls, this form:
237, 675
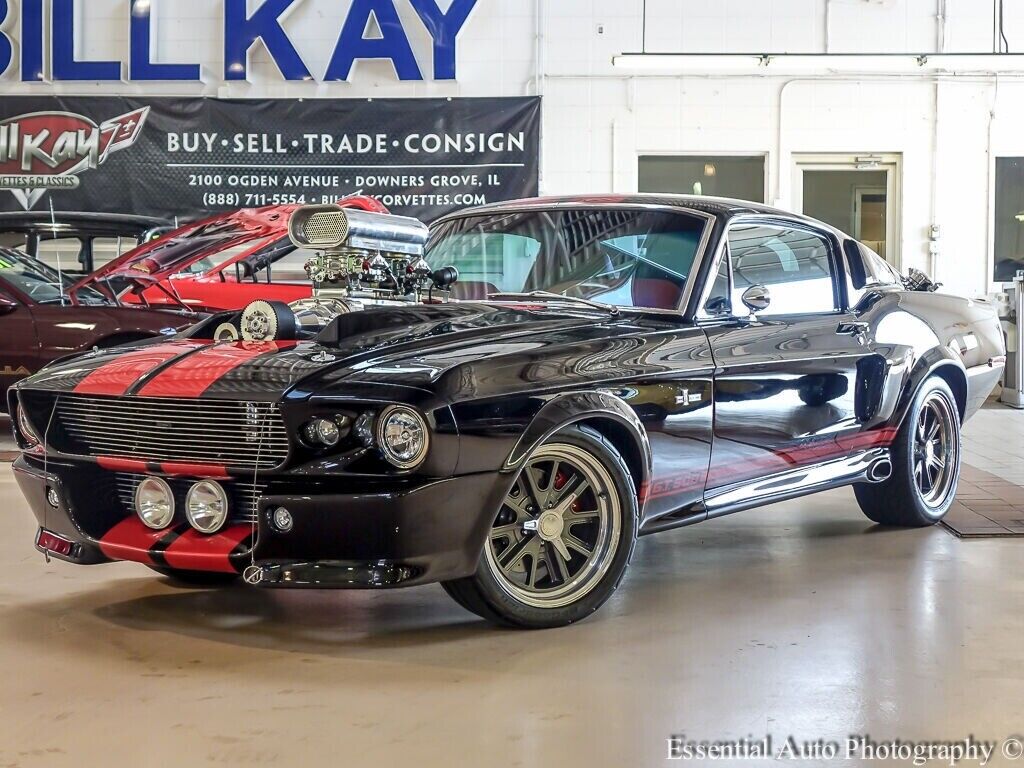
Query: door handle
856, 328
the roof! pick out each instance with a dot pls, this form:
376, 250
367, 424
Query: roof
66, 222
714, 205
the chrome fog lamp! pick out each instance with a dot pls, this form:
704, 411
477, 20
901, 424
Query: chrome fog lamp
327, 433
206, 506
25, 427
154, 503
283, 520
402, 436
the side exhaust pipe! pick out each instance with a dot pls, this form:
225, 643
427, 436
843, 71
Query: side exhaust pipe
880, 471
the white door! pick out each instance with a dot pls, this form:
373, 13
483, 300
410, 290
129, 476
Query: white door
858, 194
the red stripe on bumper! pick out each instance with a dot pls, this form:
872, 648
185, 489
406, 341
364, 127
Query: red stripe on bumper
118, 376
193, 551
194, 470
196, 373
118, 464
130, 540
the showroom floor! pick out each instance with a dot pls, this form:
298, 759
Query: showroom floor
803, 610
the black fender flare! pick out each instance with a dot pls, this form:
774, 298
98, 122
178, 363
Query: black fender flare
936, 361
575, 407
556, 414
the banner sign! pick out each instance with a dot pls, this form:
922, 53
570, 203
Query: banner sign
189, 157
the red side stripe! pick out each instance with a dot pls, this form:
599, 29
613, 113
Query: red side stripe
196, 373
118, 464
130, 540
194, 551
117, 376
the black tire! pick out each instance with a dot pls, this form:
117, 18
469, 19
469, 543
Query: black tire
900, 500
200, 579
584, 581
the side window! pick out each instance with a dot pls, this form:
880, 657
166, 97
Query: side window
792, 263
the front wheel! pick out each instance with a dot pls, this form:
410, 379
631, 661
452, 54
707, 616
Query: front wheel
925, 463
562, 538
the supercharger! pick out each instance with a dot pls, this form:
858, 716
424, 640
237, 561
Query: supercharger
362, 259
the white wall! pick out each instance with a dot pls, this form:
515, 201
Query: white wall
598, 120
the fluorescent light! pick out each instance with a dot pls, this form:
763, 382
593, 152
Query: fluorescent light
780, 63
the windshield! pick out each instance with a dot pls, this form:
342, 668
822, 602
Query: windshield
40, 282
629, 258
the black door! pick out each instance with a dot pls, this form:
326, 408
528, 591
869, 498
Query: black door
786, 375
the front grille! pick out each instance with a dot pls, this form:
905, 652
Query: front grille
235, 434
244, 497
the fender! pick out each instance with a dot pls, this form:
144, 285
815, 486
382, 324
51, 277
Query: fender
934, 360
572, 408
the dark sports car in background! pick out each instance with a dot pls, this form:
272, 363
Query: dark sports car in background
39, 324
630, 365
82, 240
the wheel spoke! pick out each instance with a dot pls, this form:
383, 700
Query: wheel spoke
583, 516
519, 504
511, 556
575, 487
557, 562
505, 531
934, 431
560, 547
565, 503
577, 544
539, 495
531, 571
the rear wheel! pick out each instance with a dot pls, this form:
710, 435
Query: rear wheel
196, 578
925, 461
562, 539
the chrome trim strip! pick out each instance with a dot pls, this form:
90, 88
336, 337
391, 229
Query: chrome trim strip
795, 482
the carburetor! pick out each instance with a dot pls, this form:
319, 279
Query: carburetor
366, 255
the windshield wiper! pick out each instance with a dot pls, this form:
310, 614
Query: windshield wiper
558, 297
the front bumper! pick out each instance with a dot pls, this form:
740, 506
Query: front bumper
407, 535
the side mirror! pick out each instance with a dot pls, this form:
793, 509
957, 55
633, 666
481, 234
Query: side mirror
756, 298
7, 305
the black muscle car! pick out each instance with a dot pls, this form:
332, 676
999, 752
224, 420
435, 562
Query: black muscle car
604, 368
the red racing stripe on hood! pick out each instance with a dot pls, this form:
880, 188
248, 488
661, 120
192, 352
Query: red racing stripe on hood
194, 374
194, 551
117, 376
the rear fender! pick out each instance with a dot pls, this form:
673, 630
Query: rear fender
937, 361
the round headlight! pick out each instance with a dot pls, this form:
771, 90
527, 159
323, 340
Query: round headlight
154, 503
26, 428
206, 506
402, 436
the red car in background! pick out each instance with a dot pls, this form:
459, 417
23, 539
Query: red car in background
220, 263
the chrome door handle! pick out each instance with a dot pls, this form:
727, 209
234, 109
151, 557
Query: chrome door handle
853, 329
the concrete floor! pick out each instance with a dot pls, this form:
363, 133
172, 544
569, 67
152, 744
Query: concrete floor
798, 619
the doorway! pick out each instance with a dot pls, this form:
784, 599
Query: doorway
856, 194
